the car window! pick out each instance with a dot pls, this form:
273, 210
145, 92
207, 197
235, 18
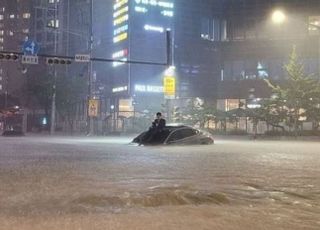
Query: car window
188, 133
182, 133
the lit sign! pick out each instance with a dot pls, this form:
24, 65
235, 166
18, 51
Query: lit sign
120, 20
148, 88
120, 30
169, 84
156, 3
120, 37
117, 63
120, 53
120, 89
165, 7
141, 9
154, 28
119, 3
167, 13
121, 11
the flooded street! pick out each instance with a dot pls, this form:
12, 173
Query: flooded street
104, 183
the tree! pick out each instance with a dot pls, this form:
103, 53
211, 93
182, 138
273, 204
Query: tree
297, 97
272, 111
199, 113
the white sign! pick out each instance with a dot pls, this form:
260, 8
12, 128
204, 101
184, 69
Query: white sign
120, 89
82, 58
148, 88
154, 28
30, 59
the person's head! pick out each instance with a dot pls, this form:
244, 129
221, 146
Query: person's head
159, 115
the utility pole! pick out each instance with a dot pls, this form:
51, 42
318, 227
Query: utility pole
169, 47
53, 101
90, 120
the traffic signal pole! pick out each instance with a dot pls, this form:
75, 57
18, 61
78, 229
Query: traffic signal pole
54, 93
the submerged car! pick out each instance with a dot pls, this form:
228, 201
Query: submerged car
176, 135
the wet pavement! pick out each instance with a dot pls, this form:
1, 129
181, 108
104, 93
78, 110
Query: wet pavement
104, 183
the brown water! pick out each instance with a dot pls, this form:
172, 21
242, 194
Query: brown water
102, 183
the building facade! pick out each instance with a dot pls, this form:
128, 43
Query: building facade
15, 28
256, 48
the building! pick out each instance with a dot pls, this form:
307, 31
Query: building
15, 27
255, 48
136, 31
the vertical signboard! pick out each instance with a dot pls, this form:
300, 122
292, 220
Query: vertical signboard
93, 108
169, 87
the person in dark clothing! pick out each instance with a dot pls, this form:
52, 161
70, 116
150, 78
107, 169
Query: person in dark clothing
159, 123
157, 127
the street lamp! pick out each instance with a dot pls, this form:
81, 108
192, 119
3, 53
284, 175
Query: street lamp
278, 17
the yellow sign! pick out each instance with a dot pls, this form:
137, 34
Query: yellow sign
169, 86
93, 108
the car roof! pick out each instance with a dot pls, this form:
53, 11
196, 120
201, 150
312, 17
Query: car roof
173, 127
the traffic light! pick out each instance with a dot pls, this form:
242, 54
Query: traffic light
8, 57
58, 61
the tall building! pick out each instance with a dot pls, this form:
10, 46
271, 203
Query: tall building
139, 34
15, 27
135, 30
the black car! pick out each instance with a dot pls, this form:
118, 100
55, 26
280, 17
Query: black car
177, 135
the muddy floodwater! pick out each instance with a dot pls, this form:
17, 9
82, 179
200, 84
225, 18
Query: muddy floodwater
104, 183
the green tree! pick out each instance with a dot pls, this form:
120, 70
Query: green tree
297, 97
198, 113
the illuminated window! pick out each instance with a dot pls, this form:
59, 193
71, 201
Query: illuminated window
1, 40
1, 32
0, 87
10, 33
53, 23
26, 15
25, 31
1, 17
314, 25
12, 16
